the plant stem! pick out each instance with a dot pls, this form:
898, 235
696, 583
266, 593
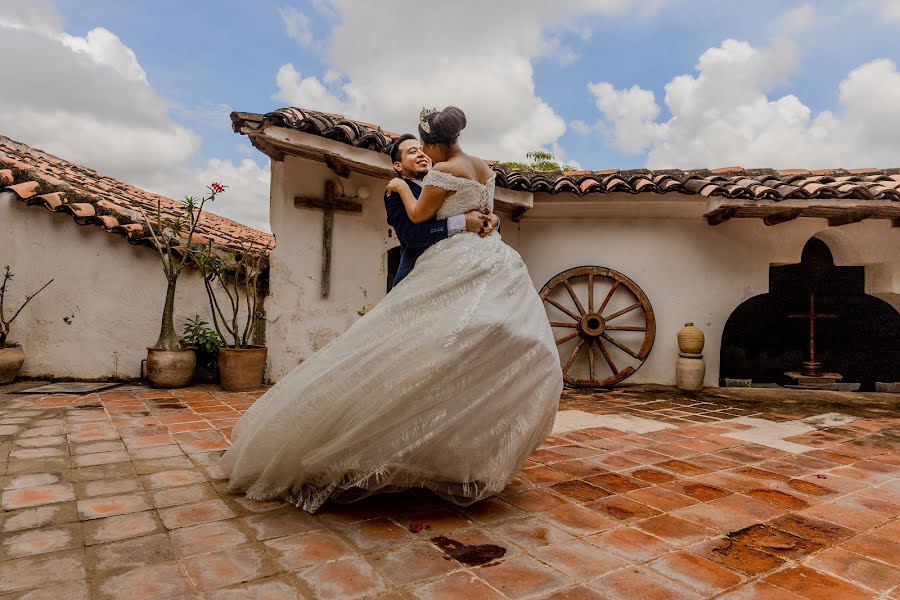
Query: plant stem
168, 339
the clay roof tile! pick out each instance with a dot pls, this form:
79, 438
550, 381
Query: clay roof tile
733, 181
94, 198
24, 190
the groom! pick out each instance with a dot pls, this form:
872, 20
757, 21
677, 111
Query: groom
412, 165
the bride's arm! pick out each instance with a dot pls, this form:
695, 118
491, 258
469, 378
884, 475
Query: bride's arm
423, 209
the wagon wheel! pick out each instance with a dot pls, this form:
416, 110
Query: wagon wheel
607, 340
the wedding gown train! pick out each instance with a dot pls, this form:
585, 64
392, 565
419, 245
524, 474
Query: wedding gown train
449, 383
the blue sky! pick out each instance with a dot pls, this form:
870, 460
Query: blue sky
202, 55
144, 89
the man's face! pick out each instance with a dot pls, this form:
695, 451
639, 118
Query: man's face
413, 163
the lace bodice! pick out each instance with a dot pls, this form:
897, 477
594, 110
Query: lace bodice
468, 194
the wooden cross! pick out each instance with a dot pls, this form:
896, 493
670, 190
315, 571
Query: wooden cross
812, 368
329, 204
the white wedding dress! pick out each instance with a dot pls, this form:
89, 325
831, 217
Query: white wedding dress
448, 384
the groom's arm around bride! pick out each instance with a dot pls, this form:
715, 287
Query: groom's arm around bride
412, 165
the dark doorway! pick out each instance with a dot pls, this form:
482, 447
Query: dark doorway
393, 265
861, 341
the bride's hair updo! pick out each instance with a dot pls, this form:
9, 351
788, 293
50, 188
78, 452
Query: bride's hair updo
442, 127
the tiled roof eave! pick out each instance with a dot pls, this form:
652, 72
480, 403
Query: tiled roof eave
36, 178
729, 182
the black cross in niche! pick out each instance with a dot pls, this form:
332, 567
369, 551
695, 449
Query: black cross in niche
812, 367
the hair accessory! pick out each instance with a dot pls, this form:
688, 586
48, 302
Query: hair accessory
423, 122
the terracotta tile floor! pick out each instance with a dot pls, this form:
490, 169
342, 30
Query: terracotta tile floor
641, 492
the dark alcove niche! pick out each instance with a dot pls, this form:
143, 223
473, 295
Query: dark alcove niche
393, 265
861, 342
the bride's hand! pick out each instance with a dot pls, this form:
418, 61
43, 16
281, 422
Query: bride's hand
394, 185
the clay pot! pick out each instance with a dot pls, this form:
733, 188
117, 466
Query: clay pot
170, 368
690, 339
11, 359
241, 370
689, 373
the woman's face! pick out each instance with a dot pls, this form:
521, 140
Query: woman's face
435, 152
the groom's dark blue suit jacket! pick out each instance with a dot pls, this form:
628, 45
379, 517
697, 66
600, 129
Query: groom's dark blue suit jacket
414, 238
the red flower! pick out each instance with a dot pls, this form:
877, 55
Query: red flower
416, 526
217, 187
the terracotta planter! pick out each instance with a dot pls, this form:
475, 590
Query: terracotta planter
690, 339
11, 360
170, 368
242, 370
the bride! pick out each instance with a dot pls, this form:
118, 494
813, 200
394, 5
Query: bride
448, 384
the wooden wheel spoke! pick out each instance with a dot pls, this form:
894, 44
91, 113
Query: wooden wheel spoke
574, 297
590, 292
619, 313
574, 324
609, 294
566, 338
608, 358
620, 346
563, 308
590, 348
574, 354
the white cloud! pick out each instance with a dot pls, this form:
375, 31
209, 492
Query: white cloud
246, 200
648, 9
297, 25
580, 127
632, 114
483, 67
554, 47
105, 48
37, 15
324, 8
307, 92
84, 98
796, 20
88, 100
889, 10
723, 115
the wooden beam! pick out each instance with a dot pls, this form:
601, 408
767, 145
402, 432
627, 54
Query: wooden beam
782, 216
334, 162
850, 216
517, 213
322, 204
720, 215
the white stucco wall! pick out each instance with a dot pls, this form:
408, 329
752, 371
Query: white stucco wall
299, 319
689, 270
104, 307
693, 272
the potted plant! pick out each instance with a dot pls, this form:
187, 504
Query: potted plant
206, 342
241, 364
169, 365
11, 354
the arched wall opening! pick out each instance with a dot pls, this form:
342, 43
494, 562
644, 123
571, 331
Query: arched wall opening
855, 334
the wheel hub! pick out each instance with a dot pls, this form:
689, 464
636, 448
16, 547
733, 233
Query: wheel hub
592, 324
